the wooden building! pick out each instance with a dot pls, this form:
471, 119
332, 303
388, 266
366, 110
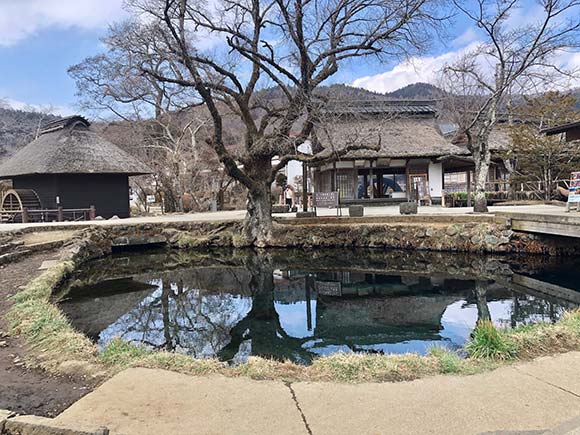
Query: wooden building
71, 167
415, 153
571, 131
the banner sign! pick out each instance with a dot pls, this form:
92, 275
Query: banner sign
574, 189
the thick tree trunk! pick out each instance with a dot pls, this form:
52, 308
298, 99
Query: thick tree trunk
258, 223
482, 160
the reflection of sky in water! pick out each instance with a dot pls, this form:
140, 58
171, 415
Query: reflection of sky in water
293, 318
201, 323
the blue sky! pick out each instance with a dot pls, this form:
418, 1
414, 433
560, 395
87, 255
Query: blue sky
40, 39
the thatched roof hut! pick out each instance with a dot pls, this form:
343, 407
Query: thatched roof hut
72, 167
69, 146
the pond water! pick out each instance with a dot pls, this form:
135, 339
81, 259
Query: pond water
297, 305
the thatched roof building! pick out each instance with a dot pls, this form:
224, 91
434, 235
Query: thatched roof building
398, 150
401, 129
69, 146
72, 167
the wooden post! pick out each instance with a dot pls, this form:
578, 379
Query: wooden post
25, 219
59, 214
92, 213
469, 188
354, 182
304, 187
371, 181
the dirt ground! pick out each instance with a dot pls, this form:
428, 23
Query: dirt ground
46, 236
23, 390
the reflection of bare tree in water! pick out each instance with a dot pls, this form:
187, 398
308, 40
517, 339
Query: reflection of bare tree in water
524, 308
480, 291
176, 317
221, 304
262, 324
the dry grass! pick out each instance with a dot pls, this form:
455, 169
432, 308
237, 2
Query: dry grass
56, 346
46, 330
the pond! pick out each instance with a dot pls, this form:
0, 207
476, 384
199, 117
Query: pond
299, 304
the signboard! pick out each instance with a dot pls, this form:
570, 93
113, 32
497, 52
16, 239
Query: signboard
574, 189
326, 199
328, 288
150, 199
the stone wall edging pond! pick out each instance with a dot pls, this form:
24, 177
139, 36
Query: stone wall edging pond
439, 234
464, 233
56, 347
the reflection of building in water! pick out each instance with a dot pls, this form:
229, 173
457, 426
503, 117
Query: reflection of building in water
295, 314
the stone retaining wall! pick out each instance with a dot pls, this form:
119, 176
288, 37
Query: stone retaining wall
487, 236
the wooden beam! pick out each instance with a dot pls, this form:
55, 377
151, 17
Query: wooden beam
547, 288
553, 228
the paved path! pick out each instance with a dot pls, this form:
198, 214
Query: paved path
237, 215
530, 398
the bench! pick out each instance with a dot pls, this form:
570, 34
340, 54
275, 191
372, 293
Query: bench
327, 199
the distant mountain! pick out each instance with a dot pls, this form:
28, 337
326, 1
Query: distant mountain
335, 91
18, 127
346, 92
416, 91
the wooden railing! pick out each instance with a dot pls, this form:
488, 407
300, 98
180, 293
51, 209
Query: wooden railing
59, 214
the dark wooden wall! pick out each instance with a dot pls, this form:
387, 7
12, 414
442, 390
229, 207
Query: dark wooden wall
109, 193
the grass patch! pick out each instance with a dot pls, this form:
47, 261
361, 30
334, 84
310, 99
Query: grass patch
120, 355
488, 342
54, 345
45, 328
345, 367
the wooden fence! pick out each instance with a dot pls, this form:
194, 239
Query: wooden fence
59, 214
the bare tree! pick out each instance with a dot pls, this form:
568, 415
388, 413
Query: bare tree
540, 160
292, 45
511, 59
164, 118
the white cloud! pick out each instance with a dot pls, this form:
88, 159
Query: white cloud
20, 19
465, 38
44, 108
416, 69
427, 68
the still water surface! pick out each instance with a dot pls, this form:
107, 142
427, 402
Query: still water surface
297, 305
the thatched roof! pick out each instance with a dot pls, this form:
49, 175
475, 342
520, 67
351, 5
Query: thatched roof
389, 107
400, 137
68, 146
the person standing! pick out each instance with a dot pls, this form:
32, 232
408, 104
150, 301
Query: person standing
289, 195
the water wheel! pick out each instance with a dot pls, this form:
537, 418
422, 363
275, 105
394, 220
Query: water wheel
14, 201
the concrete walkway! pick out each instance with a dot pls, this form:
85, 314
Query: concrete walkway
532, 398
237, 215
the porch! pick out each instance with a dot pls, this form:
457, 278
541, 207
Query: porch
381, 181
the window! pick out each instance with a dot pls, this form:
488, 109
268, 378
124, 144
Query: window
325, 181
401, 182
345, 183
455, 181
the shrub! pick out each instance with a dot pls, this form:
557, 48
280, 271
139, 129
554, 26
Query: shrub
487, 342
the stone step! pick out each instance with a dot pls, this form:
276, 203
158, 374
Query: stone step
10, 424
13, 256
45, 246
10, 246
